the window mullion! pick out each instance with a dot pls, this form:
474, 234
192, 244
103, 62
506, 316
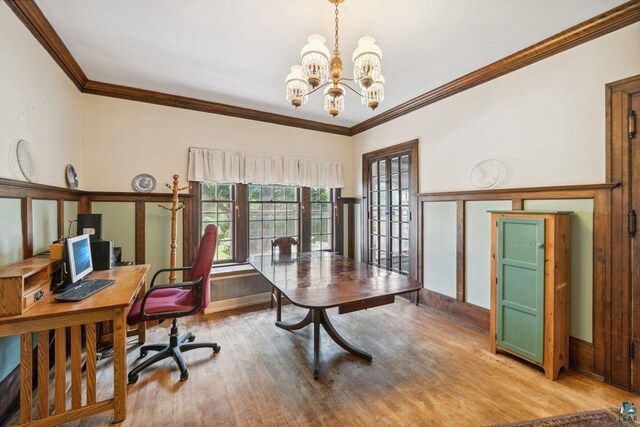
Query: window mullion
241, 222
305, 219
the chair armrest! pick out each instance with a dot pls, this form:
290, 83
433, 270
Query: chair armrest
167, 314
164, 270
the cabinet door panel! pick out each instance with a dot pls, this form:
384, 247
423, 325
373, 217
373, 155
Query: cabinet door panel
520, 296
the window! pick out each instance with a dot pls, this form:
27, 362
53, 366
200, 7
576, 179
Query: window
322, 206
273, 212
218, 207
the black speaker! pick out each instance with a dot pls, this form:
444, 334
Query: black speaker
102, 254
90, 224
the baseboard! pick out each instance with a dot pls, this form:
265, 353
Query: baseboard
468, 314
230, 304
581, 353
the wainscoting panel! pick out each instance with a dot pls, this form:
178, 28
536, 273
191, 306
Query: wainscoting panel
581, 297
477, 255
45, 224
439, 247
118, 224
158, 238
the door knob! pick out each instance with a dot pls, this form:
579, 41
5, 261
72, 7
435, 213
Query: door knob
540, 245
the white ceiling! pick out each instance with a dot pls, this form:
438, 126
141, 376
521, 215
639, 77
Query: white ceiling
238, 52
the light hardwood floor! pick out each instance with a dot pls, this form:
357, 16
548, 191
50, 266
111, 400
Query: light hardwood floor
426, 370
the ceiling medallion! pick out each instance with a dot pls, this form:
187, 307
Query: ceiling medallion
317, 72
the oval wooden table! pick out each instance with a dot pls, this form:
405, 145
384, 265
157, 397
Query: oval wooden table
321, 280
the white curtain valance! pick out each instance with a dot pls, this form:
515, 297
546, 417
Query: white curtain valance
209, 165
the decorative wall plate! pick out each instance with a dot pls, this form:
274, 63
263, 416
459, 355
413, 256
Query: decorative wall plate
72, 176
22, 160
144, 183
487, 173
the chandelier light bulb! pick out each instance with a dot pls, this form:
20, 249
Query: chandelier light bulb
367, 62
374, 95
297, 89
315, 60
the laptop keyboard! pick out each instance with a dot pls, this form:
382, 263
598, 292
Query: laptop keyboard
84, 289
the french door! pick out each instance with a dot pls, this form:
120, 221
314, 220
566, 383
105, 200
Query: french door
390, 183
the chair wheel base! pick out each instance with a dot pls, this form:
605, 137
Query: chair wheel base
184, 375
217, 349
133, 379
191, 338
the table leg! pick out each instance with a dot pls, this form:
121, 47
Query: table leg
316, 315
119, 366
278, 305
319, 317
324, 319
295, 326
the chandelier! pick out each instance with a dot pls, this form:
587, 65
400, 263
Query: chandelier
318, 71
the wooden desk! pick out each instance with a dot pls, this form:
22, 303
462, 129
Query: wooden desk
110, 304
321, 280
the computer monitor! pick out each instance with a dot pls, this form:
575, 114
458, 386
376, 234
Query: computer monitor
79, 256
90, 224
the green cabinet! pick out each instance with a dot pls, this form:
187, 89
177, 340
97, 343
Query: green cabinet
520, 296
530, 287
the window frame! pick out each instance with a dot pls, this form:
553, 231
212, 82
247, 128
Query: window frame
241, 222
232, 217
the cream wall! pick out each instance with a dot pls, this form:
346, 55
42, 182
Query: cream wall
545, 122
124, 138
39, 104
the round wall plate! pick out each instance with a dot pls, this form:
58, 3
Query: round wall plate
487, 173
143, 183
72, 176
22, 160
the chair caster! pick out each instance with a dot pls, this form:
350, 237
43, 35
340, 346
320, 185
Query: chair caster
216, 349
143, 354
133, 379
191, 338
184, 375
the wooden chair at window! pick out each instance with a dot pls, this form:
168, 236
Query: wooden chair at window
284, 245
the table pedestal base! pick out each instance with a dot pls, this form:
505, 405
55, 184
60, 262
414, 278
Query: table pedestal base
318, 316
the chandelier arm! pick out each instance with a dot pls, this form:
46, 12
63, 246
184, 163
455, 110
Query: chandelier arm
319, 87
345, 79
353, 90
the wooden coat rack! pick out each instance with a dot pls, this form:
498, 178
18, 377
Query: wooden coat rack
176, 206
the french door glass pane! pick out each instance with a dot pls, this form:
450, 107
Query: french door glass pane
389, 215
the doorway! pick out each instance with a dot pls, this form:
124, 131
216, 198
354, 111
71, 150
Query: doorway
623, 166
390, 183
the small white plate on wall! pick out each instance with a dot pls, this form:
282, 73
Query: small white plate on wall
143, 183
487, 173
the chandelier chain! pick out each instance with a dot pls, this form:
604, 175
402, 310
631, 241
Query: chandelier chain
337, 50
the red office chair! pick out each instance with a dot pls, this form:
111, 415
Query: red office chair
177, 300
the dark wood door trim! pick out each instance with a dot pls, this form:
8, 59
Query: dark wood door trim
411, 148
618, 308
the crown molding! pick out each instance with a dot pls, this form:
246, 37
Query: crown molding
159, 98
612, 20
33, 18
